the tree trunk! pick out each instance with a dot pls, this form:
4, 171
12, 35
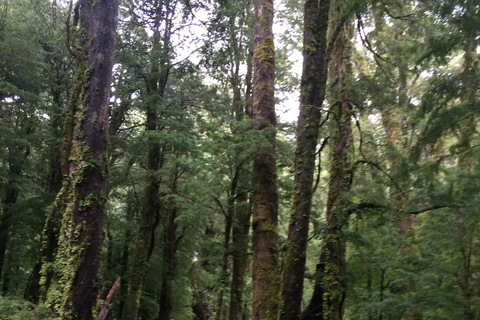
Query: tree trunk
10, 198
465, 278
78, 258
266, 277
242, 208
312, 94
53, 221
125, 255
170, 243
155, 85
169, 265
327, 302
239, 247
223, 281
334, 250
394, 132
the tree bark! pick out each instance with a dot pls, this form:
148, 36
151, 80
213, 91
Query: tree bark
312, 94
467, 130
334, 250
78, 259
169, 264
242, 208
11, 194
149, 216
266, 277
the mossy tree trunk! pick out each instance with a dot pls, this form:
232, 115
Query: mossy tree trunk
242, 207
73, 294
150, 211
266, 277
170, 244
241, 218
334, 250
51, 230
312, 94
327, 302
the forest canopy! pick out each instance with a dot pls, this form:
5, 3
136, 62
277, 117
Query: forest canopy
231, 160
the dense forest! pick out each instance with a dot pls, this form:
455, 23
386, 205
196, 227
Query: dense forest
153, 164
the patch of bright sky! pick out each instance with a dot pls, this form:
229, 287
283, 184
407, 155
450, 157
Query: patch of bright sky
288, 108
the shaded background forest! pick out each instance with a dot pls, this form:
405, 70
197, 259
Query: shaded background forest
407, 75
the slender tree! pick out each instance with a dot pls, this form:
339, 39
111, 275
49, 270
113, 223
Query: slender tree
312, 94
155, 84
266, 278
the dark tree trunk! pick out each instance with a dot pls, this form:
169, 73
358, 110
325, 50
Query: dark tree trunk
148, 215
155, 85
312, 94
240, 241
223, 281
327, 302
467, 130
334, 250
9, 199
266, 277
169, 265
53, 221
170, 244
78, 258
125, 256
242, 208
314, 310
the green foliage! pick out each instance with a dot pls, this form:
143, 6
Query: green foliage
15, 309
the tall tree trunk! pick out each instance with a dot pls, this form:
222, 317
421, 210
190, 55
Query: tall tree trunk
150, 211
170, 244
327, 301
223, 281
11, 194
340, 183
78, 258
466, 166
130, 213
266, 277
53, 221
312, 94
242, 208
169, 265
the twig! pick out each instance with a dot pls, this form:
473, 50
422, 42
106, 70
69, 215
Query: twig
375, 165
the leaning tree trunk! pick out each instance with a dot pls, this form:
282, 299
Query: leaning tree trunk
312, 94
78, 259
266, 277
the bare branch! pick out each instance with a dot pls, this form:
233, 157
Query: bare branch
375, 165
